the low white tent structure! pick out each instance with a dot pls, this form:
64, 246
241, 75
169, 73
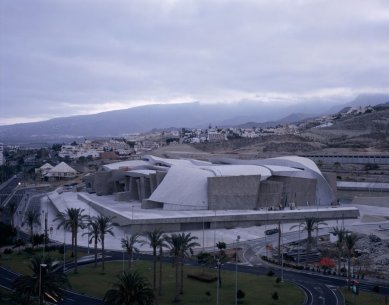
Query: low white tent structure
44, 169
62, 170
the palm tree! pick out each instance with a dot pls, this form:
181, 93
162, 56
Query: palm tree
350, 241
187, 245
93, 235
155, 240
310, 224
32, 218
105, 226
129, 245
341, 233
131, 289
72, 219
174, 243
221, 258
50, 282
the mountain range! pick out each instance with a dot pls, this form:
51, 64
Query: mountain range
162, 116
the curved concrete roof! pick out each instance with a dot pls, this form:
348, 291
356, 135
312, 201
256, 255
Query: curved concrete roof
239, 170
140, 172
170, 162
183, 188
124, 164
308, 169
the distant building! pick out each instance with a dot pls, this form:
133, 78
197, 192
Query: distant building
43, 170
108, 155
216, 137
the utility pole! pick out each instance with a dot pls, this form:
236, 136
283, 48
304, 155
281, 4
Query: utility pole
236, 269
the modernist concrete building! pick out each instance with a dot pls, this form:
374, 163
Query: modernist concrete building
220, 184
186, 194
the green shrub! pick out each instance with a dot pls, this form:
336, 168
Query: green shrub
202, 277
29, 250
240, 294
275, 296
7, 251
376, 288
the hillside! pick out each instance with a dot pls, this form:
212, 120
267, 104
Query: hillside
367, 132
364, 132
143, 119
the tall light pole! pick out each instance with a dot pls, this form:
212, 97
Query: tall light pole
44, 220
236, 269
317, 222
64, 249
282, 253
40, 282
298, 249
267, 220
89, 233
214, 234
46, 235
218, 281
203, 233
124, 237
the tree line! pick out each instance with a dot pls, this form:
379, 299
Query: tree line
130, 288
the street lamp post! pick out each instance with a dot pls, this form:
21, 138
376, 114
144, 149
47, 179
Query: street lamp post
203, 233
236, 269
124, 250
298, 249
64, 249
89, 233
281, 242
40, 282
282, 253
44, 236
267, 220
214, 234
218, 281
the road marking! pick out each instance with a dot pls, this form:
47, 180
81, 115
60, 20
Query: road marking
305, 289
332, 290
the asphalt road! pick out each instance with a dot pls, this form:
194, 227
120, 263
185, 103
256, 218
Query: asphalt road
8, 187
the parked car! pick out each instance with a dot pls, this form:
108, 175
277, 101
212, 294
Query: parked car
271, 231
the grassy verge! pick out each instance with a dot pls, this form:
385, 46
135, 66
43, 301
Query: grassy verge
364, 298
20, 261
5, 296
258, 289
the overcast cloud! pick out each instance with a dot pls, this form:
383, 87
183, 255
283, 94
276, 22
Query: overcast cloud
60, 58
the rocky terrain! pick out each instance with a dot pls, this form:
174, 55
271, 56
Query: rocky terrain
373, 251
357, 133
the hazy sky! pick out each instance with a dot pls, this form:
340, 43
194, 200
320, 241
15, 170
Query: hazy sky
59, 58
